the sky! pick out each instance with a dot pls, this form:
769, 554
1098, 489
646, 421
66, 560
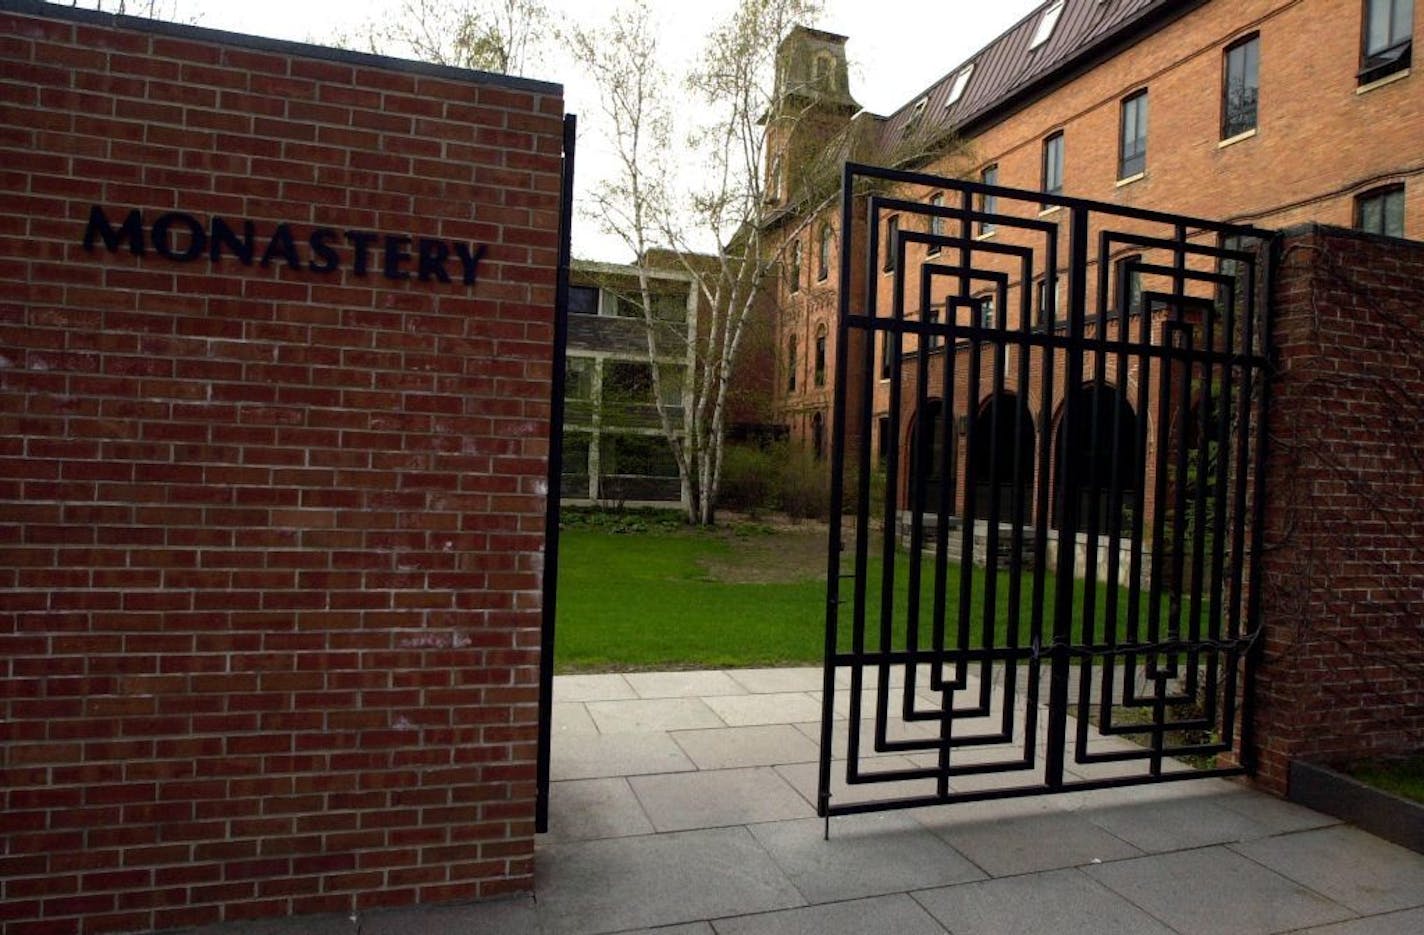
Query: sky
896, 49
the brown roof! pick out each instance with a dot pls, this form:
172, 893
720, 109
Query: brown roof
1007, 72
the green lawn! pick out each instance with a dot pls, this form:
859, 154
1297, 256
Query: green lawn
662, 598
1403, 777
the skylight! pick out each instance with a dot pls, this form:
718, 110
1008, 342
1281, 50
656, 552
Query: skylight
1046, 24
961, 81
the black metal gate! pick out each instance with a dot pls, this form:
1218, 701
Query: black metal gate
554, 491
1046, 462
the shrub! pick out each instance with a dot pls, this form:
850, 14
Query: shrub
804, 488
749, 479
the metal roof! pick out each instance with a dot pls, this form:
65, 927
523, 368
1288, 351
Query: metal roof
1007, 69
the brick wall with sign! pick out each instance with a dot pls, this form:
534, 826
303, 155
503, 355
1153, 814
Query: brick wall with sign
272, 474
1342, 593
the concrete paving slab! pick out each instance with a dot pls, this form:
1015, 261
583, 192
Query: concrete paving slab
1408, 922
775, 708
898, 914
692, 928
586, 809
1007, 837
571, 717
1215, 890
648, 715
1057, 902
683, 684
1377, 877
602, 687
803, 777
767, 681
715, 798
867, 855
1278, 815
1175, 824
592, 756
728, 747
513, 916
661, 879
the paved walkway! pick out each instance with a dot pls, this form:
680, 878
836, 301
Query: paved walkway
682, 804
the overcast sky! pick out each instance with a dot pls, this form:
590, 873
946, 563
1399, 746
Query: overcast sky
897, 48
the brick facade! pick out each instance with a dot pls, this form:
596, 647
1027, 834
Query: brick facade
272, 525
1321, 140
1343, 568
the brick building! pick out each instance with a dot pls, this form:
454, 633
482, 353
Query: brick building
1263, 112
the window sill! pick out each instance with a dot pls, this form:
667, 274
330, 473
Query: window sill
1233, 140
1131, 178
1051, 209
986, 235
1381, 82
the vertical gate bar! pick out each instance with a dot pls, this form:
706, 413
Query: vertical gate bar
1043, 506
1016, 510
1063, 604
833, 544
1120, 308
887, 600
1221, 520
1249, 753
948, 480
1201, 413
554, 482
915, 569
1088, 613
871, 310
973, 377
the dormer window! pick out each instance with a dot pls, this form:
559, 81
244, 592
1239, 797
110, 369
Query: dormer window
1046, 24
917, 117
961, 81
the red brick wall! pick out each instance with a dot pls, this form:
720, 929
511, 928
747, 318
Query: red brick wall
1343, 583
272, 538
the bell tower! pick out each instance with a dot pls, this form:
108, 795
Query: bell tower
811, 107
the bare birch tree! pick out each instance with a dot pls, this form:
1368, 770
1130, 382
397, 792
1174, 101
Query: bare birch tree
501, 36
650, 206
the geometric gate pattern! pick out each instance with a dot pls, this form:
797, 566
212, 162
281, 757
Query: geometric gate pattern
1046, 465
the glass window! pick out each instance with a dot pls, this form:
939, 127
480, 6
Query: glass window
818, 435
578, 378
917, 117
1132, 154
882, 439
892, 232
1381, 211
583, 300
936, 222
961, 81
1240, 87
791, 364
820, 362
1128, 285
990, 203
885, 354
1053, 164
1046, 24
823, 253
935, 340
1388, 38
794, 266
986, 311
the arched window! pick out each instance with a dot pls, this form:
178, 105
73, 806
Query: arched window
823, 252
793, 266
820, 371
791, 364
818, 436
